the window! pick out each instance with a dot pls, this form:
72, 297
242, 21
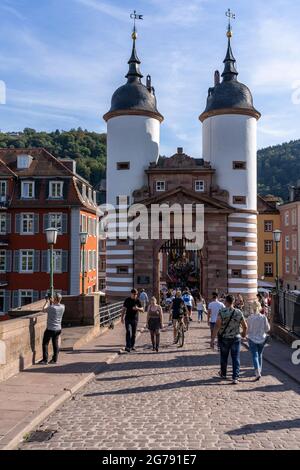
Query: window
294, 242
56, 189
27, 189
2, 301
55, 221
199, 186
83, 223
287, 265
238, 242
239, 165
123, 166
84, 191
286, 218
287, 242
239, 200
237, 273
27, 224
295, 266
2, 261
268, 226
26, 297
122, 269
102, 284
3, 224
160, 185
143, 280
294, 217
102, 266
269, 269
24, 161
268, 246
57, 261
27, 260
3, 189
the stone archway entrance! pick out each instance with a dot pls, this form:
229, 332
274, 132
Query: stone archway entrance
179, 266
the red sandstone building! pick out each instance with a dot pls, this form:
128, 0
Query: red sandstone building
290, 217
38, 191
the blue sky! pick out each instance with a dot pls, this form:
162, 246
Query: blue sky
61, 60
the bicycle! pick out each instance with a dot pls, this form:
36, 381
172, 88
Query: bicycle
180, 332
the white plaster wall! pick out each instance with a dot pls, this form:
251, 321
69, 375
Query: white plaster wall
133, 139
228, 138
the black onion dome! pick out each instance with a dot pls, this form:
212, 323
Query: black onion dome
230, 94
134, 97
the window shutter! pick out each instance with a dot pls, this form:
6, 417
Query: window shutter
64, 223
8, 260
45, 261
15, 299
7, 301
18, 223
36, 261
36, 223
45, 222
64, 261
35, 296
86, 260
16, 261
8, 223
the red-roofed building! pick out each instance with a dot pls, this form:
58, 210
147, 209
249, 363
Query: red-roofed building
38, 191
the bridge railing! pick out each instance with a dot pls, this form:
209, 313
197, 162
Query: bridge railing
289, 312
108, 314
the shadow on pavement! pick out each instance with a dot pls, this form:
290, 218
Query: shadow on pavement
262, 427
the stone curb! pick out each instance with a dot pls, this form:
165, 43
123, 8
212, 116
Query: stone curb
15, 437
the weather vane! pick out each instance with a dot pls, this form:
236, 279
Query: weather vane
231, 16
135, 17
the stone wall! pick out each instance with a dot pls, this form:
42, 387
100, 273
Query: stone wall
21, 343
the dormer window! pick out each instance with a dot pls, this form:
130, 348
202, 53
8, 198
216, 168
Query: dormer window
24, 161
56, 189
27, 189
84, 191
199, 186
3, 189
160, 185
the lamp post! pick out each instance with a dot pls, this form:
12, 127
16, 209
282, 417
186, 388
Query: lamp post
277, 239
51, 235
83, 240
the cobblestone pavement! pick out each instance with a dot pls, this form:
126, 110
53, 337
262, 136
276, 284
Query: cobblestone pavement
174, 400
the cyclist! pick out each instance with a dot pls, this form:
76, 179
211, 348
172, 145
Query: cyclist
189, 303
178, 311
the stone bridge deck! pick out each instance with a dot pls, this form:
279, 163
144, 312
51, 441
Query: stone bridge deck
174, 400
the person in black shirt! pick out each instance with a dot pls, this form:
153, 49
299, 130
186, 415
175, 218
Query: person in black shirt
130, 315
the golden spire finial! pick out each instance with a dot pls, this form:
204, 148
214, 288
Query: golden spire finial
135, 17
231, 16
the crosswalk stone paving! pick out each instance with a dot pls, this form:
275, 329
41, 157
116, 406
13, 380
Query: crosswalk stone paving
174, 400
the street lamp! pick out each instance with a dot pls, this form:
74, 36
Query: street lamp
277, 238
83, 240
51, 235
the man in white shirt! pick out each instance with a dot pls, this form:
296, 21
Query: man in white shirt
214, 308
144, 299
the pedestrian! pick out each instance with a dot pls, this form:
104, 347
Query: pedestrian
189, 303
130, 316
144, 299
55, 311
213, 310
239, 302
229, 322
258, 327
154, 322
201, 308
178, 310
